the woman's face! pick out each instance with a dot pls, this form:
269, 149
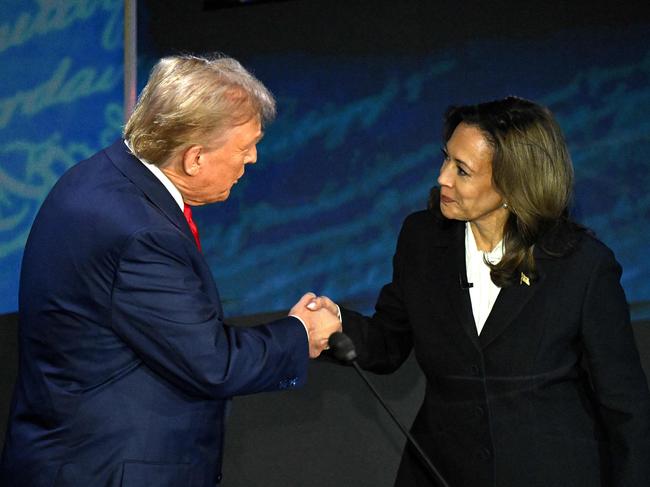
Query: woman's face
466, 189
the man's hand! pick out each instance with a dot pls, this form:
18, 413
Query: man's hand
320, 323
319, 302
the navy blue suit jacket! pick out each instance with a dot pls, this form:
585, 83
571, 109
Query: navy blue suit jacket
126, 366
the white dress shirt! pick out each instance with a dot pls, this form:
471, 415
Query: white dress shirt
173, 190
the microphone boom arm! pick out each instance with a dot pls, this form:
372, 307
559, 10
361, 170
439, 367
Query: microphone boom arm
431, 467
343, 349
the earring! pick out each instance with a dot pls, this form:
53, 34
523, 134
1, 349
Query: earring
505, 205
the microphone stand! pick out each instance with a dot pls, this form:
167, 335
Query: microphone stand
343, 349
423, 456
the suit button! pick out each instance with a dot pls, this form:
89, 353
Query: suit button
475, 370
485, 453
480, 412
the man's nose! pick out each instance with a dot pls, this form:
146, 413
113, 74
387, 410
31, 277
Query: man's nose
252, 156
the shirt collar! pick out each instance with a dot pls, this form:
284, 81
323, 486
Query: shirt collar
173, 190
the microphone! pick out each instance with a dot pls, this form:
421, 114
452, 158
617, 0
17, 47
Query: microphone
463, 281
343, 349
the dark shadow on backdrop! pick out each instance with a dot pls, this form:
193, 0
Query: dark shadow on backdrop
371, 27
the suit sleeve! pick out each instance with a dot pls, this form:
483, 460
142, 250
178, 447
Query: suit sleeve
163, 312
618, 379
384, 341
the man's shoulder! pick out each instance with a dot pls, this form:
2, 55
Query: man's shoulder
83, 173
99, 194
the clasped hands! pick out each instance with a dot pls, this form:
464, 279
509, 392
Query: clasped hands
320, 316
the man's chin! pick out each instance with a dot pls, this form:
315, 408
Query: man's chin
221, 197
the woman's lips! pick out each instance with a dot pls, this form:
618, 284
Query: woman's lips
446, 199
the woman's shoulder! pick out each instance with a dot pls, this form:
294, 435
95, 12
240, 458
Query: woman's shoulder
590, 245
578, 242
419, 218
423, 231
429, 221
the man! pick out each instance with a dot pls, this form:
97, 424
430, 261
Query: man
126, 366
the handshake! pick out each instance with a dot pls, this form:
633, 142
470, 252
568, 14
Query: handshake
320, 315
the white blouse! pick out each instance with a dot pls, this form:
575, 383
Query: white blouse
483, 292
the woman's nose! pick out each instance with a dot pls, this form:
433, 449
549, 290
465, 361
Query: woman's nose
444, 178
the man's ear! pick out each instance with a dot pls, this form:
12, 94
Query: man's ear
192, 160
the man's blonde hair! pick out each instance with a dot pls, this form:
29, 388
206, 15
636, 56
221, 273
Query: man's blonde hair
189, 98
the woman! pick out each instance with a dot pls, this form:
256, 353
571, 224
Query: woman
516, 316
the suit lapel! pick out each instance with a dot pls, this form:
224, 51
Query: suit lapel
448, 272
508, 305
152, 188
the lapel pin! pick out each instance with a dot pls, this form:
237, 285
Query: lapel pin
524, 280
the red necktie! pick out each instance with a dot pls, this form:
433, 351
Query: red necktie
187, 211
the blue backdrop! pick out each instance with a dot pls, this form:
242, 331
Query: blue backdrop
60, 101
355, 147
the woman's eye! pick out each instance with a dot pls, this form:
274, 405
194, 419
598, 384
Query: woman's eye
461, 171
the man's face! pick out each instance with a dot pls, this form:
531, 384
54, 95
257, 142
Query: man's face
222, 164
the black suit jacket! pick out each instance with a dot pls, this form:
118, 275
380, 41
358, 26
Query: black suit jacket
550, 394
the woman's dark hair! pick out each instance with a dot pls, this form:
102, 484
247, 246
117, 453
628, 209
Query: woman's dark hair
532, 171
